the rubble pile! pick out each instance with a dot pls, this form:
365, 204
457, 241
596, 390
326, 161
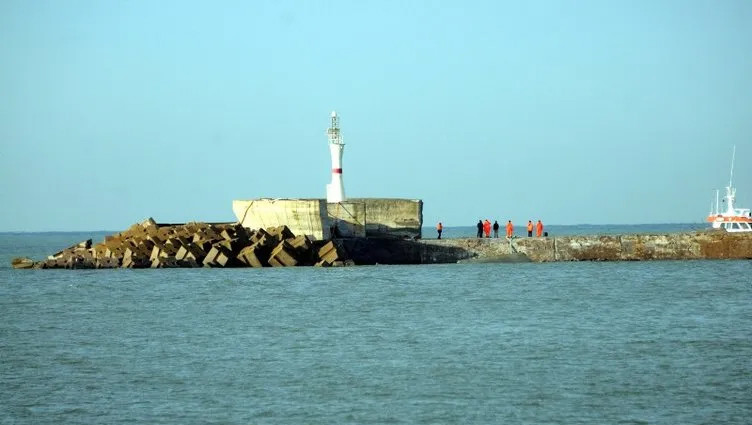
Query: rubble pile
151, 245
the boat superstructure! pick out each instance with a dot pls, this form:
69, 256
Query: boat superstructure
732, 219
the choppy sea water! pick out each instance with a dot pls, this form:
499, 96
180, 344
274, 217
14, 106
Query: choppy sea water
663, 342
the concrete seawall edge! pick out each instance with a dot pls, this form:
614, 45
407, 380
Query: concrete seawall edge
627, 247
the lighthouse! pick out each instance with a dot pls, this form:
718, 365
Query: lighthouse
335, 191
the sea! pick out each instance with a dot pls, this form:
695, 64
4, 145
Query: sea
653, 342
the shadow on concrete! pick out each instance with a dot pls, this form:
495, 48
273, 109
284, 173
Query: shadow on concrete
369, 251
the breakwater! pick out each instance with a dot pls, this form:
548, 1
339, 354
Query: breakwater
628, 247
196, 244
153, 245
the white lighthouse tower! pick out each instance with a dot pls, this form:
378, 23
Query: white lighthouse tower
335, 191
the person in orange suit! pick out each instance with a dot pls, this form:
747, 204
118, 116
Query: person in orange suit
487, 228
539, 229
529, 228
510, 229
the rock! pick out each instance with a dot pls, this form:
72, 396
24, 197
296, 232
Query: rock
22, 263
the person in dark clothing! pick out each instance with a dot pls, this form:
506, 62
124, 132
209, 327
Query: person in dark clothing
496, 229
480, 228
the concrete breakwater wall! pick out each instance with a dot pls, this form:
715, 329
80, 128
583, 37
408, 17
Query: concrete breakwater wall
315, 218
674, 246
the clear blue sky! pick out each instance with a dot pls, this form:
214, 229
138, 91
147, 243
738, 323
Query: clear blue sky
601, 112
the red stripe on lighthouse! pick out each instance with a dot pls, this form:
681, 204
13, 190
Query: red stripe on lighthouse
337, 170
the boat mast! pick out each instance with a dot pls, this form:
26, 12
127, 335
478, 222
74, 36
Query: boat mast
730, 191
733, 155
717, 194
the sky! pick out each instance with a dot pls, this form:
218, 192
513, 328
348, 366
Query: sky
572, 112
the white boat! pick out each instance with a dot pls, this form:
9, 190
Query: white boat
733, 219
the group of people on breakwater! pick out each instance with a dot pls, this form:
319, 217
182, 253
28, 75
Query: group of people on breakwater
484, 228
